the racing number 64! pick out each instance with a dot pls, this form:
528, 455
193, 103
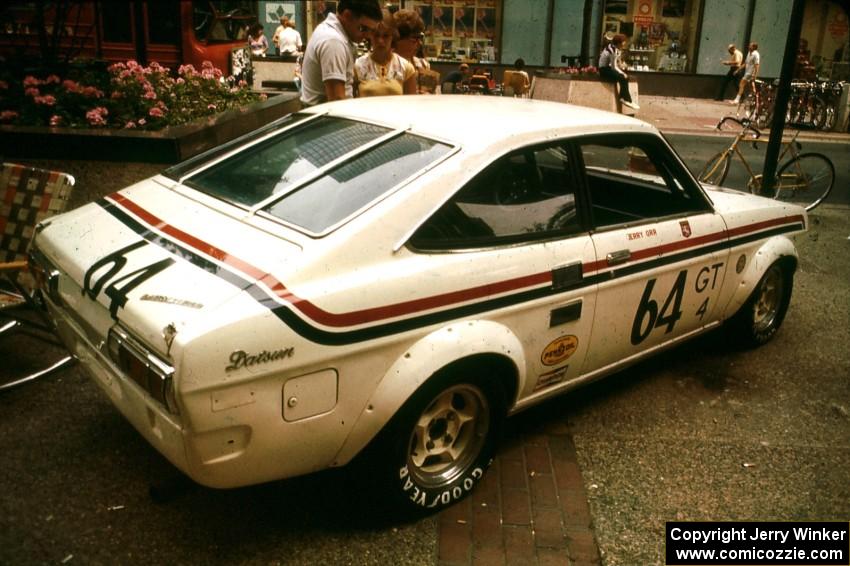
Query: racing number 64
648, 317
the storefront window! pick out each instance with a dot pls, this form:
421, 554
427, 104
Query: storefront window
454, 29
660, 34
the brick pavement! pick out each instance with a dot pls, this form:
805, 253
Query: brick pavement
530, 508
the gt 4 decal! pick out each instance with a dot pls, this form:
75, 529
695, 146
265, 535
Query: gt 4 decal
648, 316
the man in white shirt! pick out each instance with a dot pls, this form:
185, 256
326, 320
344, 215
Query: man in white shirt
327, 72
736, 69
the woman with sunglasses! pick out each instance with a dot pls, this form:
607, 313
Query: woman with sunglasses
409, 45
382, 72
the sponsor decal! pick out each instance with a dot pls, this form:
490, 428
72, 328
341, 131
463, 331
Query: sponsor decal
551, 378
742, 263
242, 359
559, 350
686, 228
171, 301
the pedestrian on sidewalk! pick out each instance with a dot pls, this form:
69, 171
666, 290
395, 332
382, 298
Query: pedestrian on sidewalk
612, 69
736, 70
751, 71
327, 71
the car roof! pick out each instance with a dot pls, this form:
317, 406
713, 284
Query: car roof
480, 120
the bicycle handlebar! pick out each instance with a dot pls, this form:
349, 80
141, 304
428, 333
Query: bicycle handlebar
745, 125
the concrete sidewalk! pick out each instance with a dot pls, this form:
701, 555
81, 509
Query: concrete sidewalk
672, 114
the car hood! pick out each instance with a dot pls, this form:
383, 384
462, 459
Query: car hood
729, 200
151, 259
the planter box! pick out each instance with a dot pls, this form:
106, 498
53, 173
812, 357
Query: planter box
169, 145
583, 91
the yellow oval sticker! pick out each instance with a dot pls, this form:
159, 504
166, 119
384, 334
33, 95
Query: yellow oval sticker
559, 350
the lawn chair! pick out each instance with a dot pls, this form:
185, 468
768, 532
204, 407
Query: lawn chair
27, 196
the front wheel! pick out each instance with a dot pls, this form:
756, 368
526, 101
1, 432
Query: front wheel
762, 315
805, 180
442, 441
715, 171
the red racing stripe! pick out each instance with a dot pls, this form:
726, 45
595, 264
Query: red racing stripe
314, 312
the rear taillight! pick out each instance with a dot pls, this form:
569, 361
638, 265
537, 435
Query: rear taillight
142, 366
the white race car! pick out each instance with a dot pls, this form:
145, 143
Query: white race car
402, 272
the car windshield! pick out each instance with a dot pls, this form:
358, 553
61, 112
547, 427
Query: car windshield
371, 160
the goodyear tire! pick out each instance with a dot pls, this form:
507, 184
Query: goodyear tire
443, 439
762, 315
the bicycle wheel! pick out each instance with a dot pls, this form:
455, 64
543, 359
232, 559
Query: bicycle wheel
805, 180
716, 169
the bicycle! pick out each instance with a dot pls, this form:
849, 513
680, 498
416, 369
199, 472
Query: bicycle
804, 179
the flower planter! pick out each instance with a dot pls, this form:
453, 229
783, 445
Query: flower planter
169, 145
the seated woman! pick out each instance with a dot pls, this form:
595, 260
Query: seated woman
382, 72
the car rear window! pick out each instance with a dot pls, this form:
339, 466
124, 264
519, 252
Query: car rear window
319, 172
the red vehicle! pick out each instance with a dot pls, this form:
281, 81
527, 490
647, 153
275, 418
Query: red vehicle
170, 33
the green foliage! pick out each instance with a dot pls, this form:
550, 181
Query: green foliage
126, 96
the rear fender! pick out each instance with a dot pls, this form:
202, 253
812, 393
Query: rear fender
773, 250
449, 344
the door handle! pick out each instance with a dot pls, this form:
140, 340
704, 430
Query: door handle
618, 257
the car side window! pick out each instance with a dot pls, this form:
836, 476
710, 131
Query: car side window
524, 196
632, 179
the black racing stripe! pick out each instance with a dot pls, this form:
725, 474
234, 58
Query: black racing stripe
339, 338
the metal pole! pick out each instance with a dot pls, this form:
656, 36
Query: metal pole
782, 96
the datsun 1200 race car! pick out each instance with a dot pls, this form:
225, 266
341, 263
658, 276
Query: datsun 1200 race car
403, 272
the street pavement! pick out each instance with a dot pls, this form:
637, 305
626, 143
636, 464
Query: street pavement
706, 432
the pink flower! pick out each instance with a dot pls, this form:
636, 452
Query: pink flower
142, 121
29, 80
55, 120
187, 70
97, 116
52, 79
116, 95
92, 92
70, 86
48, 100
32, 91
180, 80
8, 115
129, 125
210, 106
124, 74
156, 112
149, 94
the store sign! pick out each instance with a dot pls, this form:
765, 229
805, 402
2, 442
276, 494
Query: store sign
838, 26
643, 16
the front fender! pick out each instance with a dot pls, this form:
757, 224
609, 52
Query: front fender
773, 250
426, 357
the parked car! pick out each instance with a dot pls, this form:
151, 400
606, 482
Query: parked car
406, 271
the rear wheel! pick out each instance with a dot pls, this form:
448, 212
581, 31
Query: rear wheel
805, 180
762, 315
716, 169
442, 441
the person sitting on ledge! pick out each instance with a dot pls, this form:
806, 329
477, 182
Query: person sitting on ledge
611, 69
